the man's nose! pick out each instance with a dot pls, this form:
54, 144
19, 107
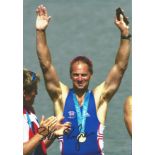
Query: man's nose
79, 78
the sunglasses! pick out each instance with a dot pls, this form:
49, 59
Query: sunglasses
33, 76
33, 84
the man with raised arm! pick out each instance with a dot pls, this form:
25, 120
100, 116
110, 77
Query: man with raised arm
85, 109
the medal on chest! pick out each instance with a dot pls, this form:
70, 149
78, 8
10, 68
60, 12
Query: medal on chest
81, 116
81, 138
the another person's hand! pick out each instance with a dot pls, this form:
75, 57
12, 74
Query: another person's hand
47, 126
61, 129
42, 18
52, 127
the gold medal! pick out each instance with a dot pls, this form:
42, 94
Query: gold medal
81, 138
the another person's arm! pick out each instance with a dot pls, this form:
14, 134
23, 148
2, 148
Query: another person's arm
30, 145
128, 114
47, 125
53, 126
60, 129
54, 87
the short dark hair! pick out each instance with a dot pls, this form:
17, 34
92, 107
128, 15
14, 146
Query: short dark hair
30, 80
83, 59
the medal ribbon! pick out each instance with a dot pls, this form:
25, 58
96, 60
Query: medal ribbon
81, 116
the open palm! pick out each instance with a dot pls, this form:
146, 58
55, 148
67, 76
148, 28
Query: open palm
42, 18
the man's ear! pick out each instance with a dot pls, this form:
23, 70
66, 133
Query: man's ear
91, 75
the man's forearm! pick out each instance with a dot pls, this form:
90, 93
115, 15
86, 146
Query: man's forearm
123, 53
42, 49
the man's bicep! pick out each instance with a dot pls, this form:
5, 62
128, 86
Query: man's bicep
52, 81
113, 81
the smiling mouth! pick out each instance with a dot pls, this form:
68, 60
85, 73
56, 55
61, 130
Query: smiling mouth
80, 85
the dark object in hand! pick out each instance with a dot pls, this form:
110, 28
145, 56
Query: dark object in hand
118, 12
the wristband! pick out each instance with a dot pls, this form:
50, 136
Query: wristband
126, 37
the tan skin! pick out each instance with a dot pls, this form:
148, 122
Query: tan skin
49, 124
80, 77
80, 74
128, 114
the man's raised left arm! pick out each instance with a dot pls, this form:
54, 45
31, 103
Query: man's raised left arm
108, 88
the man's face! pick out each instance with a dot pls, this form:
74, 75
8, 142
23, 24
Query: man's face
80, 75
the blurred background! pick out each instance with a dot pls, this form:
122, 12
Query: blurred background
81, 27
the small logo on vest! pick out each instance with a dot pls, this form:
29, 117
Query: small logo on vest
87, 115
71, 114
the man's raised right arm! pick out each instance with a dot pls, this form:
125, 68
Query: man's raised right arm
50, 76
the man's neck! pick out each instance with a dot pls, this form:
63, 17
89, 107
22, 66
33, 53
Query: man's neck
80, 94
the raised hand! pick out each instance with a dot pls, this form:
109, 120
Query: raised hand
122, 25
42, 19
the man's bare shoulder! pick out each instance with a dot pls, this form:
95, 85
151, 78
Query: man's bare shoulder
99, 92
65, 90
99, 89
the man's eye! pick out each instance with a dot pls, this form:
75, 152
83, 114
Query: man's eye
75, 75
84, 75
